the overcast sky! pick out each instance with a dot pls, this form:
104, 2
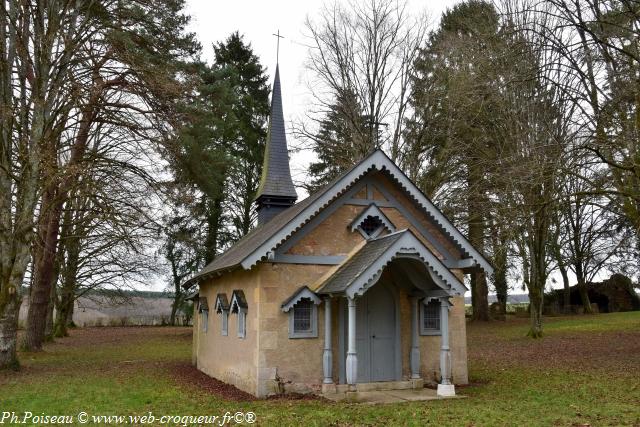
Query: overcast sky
214, 21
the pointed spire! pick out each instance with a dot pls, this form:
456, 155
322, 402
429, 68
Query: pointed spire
276, 191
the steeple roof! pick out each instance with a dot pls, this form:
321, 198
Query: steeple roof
276, 175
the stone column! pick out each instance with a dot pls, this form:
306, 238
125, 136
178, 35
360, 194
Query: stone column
327, 357
415, 348
352, 358
445, 388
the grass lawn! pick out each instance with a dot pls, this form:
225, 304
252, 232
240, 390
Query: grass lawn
586, 371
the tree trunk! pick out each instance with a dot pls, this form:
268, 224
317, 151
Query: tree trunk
557, 253
475, 205
537, 279
213, 232
584, 296
582, 289
174, 309
72, 307
535, 308
9, 309
43, 272
69, 282
500, 277
48, 328
479, 296
52, 204
537, 244
65, 311
567, 291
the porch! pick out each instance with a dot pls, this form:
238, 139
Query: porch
389, 279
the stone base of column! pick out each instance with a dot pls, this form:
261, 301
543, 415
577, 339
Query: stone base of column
446, 390
329, 388
417, 383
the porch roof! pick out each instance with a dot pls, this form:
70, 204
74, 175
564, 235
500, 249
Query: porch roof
361, 270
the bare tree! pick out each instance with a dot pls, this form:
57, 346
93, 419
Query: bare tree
591, 238
363, 52
108, 227
114, 84
38, 40
181, 251
538, 129
597, 44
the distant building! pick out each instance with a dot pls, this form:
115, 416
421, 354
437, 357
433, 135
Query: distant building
614, 294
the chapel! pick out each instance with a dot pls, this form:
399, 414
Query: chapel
360, 286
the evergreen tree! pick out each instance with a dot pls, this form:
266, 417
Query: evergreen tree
341, 140
239, 70
455, 98
218, 153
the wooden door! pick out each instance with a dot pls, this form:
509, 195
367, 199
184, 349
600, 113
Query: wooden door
376, 335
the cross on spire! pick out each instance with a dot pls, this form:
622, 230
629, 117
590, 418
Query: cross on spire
278, 37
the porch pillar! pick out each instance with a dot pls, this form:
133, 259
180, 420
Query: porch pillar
352, 358
327, 357
445, 388
415, 349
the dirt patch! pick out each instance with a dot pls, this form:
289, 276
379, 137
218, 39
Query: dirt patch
618, 350
90, 337
186, 374
116, 335
76, 352
299, 396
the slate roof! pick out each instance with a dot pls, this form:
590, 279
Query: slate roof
203, 305
276, 175
266, 237
361, 268
299, 294
256, 237
221, 302
238, 299
352, 268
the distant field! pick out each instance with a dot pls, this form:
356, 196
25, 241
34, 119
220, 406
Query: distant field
586, 371
137, 309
